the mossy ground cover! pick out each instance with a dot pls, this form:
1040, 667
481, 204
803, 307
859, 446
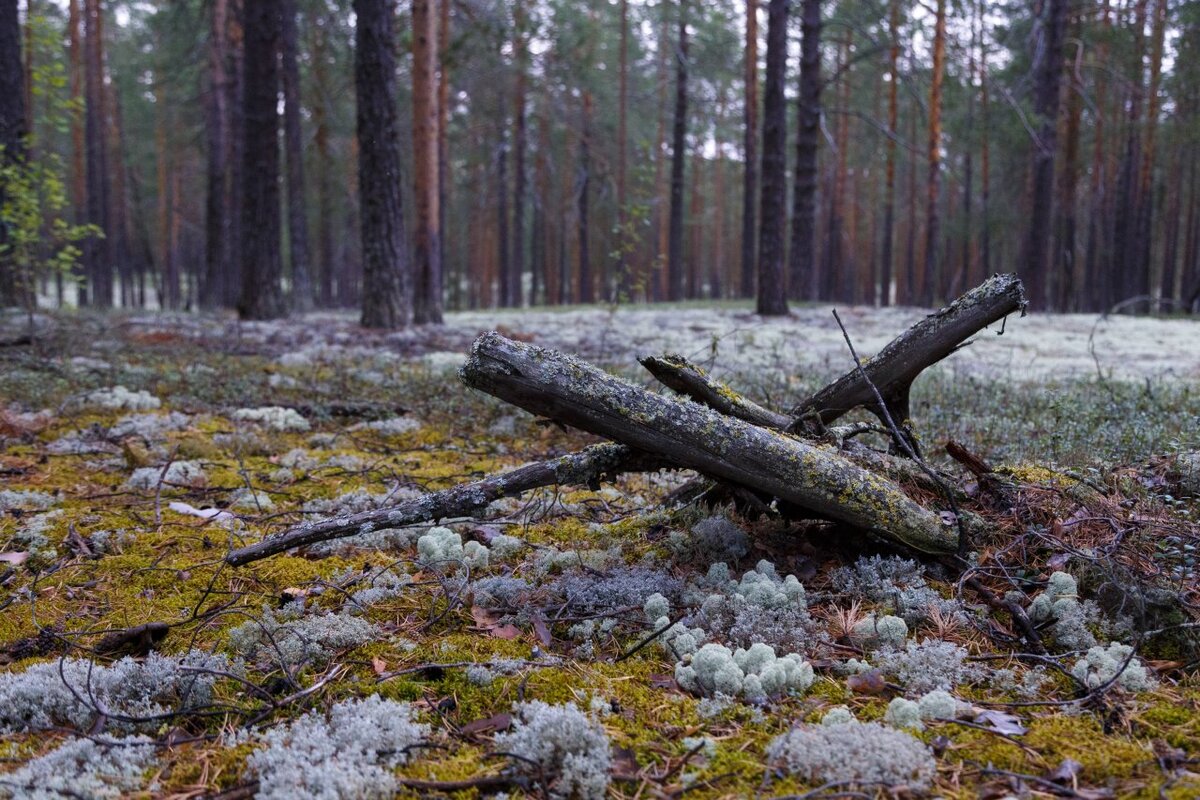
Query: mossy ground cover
1091, 488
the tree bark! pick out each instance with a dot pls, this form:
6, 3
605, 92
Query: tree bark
262, 262
12, 135
675, 257
750, 152
443, 137
97, 255
681, 376
690, 435
217, 128
772, 279
889, 185
520, 152
427, 248
387, 281
802, 259
1047, 78
587, 284
293, 137
624, 279
897, 365
934, 181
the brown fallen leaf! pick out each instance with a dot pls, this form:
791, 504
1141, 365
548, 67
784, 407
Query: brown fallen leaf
542, 630
379, 665
505, 631
870, 682
663, 682
16, 558
496, 722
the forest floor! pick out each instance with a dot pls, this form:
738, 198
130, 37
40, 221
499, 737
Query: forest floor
136, 450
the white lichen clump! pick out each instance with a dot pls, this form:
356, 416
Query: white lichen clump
275, 418
1102, 665
350, 754
252, 501
109, 768
656, 607
25, 499
177, 473
562, 746
939, 705
854, 753
885, 631
443, 547
932, 664
903, 713
393, 426
754, 673
287, 638
118, 398
838, 715
72, 692
1059, 604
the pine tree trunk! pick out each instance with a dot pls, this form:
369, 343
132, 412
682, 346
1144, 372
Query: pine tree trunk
387, 281
78, 172
217, 129
325, 213
14, 285
443, 137
427, 249
750, 152
1064, 267
625, 282
97, 256
236, 156
504, 251
1047, 77
302, 290
772, 279
802, 273
262, 261
587, 290
675, 257
1130, 280
520, 148
933, 183
657, 274
1146, 183
889, 190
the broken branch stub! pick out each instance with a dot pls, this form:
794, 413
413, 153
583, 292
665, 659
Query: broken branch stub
682, 376
898, 364
570, 391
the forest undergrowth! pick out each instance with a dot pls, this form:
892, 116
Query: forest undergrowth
576, 642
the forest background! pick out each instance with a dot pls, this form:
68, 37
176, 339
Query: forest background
528, 152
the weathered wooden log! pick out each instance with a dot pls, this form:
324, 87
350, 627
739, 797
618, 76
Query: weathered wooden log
677, 373
587, 467
691, 435
895, 367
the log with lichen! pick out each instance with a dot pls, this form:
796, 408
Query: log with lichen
691, 435
893, 370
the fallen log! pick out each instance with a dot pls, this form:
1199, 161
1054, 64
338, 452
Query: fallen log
587, 467
682, 376
690, 435
894, 368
